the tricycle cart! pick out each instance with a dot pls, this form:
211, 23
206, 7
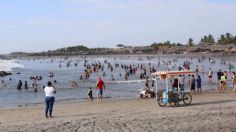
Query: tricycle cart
171, 95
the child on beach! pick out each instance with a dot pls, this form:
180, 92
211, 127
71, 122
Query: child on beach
90, 95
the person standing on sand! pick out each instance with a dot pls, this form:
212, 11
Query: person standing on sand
219, 74
225, 74
192, 84
181, 82
175, 83
199, 84
234, 81
90, 95
50, 92
100, 87
222, 84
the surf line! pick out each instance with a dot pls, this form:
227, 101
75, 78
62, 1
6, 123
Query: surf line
129, 81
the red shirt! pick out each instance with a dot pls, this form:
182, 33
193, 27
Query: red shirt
100, 84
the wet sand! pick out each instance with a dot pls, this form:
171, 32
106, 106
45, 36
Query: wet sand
208, 112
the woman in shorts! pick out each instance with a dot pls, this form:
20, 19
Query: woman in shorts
222, 84
210, 75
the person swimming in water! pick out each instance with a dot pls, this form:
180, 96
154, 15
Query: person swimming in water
26, 85
19, 85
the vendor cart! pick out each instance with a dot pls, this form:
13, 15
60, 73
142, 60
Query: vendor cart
170, 95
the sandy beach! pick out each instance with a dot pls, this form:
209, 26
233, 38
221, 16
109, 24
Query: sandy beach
132, 56
208, 112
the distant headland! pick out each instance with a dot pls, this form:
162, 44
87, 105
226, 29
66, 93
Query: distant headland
225, 44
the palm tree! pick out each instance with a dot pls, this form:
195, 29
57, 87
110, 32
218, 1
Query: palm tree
205, 39
222, 39
210, 39
168, 42
228, 38
202, 40
190, 42
228, 35
234, 40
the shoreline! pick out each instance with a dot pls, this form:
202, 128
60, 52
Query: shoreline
213, 90
108, 98
216, 55
208, 112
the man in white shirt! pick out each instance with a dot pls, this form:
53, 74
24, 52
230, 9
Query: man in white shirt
50, 92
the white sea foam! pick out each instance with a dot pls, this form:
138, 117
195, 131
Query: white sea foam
8, 65
129, 81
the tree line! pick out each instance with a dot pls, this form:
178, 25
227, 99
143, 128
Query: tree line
73, 48
224, 39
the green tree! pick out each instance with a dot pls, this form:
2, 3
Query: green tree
190, 42
179, 44
228, 38
202, 40
222, 39
205, 39
120, 45
210, 39
228, 35
167, 43
234, 40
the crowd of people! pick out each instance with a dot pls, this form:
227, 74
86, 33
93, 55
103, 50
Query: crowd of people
139, 70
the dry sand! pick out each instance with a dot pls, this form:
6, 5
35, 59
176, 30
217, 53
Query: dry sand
209, 112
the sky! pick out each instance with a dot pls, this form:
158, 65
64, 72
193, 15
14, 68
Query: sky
41, 25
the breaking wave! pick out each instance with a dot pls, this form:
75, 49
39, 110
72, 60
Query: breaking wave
8, 65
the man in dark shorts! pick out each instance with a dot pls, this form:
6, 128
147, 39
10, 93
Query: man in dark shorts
100, 87
193, 80
199, 84
219, 74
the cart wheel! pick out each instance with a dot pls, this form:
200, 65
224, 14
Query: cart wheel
161, 103
187, 98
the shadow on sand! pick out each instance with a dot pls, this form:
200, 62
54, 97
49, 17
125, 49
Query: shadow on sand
208, 103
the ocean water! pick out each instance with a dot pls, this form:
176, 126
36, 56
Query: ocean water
118, 89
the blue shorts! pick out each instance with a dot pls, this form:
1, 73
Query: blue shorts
100, 92
199, 86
